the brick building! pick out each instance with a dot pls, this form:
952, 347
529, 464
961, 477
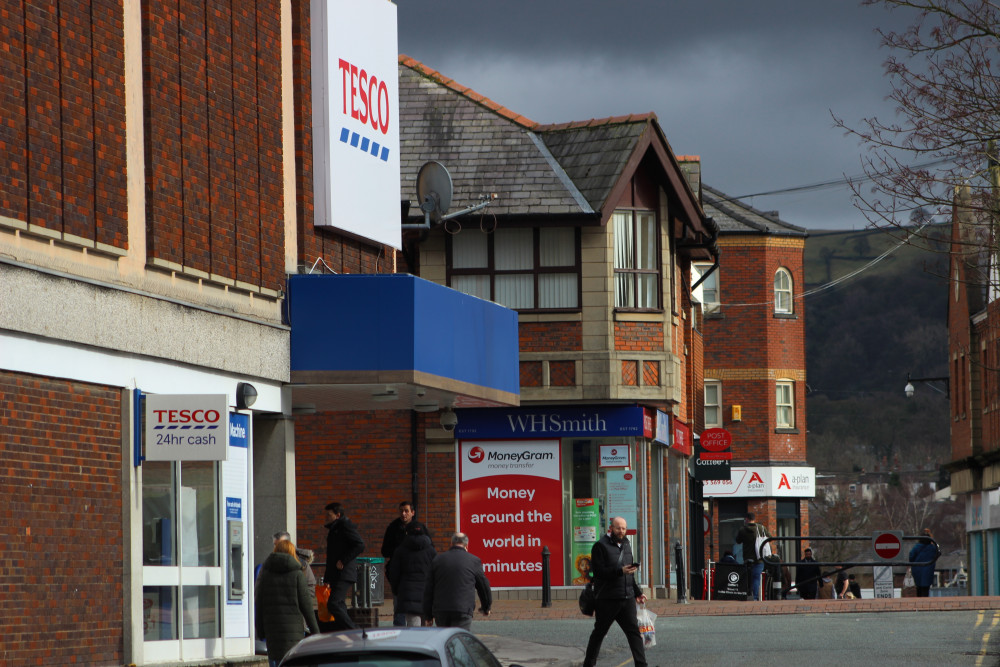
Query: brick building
974, 356
590, 238
159, 210
755, 371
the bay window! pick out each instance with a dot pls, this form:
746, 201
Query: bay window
637, 260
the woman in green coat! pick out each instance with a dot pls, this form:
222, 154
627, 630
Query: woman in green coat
284, 608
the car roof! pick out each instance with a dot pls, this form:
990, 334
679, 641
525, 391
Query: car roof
427, 641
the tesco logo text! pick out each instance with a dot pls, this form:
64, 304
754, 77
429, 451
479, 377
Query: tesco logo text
186, 416
369, 97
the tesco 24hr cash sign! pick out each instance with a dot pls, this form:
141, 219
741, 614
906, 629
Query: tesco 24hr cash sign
186, 427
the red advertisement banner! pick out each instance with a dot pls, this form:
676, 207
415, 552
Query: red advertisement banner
510, 506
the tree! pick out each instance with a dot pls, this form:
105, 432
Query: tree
945, 81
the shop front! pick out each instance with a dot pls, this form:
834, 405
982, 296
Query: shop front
549, 479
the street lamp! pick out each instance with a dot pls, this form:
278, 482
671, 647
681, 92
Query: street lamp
909, 389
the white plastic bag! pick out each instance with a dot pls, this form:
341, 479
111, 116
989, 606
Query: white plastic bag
761, 537
647, 626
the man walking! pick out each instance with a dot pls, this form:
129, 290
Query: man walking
805, 570
450, 592
395, 533
343, 546
747, 536
617, 593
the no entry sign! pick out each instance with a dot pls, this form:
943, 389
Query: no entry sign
887, 544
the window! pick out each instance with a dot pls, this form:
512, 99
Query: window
521, 268
637, 262
707, 293
713, 404
783, 291
785, 403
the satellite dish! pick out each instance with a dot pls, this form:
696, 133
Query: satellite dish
434, 190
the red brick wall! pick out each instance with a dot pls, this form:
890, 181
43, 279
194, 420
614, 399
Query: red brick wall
61, 515
550, 336
62, 102
212, 90
338, 252
363, 460
639, 336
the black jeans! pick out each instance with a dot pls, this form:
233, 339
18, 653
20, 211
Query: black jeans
453, 619
622, 612
341, 619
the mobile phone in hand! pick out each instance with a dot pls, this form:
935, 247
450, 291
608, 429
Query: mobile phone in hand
636, 564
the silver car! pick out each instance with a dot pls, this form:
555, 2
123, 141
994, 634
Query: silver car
392, 647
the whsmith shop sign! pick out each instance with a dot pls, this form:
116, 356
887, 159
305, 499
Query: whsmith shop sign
563, 422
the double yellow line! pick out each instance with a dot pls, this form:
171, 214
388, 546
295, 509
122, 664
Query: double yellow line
981, 624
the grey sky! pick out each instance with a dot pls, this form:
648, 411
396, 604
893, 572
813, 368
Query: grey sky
748, 86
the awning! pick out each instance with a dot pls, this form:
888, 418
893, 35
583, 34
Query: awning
395, 341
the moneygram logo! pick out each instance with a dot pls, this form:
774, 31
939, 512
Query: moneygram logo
476, 454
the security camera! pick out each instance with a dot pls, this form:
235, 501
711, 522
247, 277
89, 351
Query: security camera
449, 420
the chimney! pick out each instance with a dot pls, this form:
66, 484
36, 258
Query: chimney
691, 166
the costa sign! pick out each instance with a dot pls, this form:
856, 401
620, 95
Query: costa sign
186, 427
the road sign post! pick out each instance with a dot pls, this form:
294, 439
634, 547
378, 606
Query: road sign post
887, 545
883, 581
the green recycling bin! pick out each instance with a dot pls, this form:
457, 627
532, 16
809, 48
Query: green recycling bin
370, 587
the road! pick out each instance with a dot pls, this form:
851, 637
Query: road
813, 640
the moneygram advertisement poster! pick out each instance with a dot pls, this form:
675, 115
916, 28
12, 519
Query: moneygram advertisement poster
510, 506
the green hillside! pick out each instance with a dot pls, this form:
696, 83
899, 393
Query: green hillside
863, 335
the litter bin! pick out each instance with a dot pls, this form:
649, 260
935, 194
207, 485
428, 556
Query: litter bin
370, 587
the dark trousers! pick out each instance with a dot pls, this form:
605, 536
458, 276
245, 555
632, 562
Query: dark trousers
923, 591
341, 619
808, 593
453, 619
623, 613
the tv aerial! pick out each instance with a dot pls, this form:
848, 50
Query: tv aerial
435, 191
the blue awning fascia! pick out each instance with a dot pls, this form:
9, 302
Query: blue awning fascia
401, 324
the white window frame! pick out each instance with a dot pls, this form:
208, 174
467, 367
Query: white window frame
784, 405
783, 301
715, 385
637, 265
707, 293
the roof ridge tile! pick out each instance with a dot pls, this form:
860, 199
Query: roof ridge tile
466, 92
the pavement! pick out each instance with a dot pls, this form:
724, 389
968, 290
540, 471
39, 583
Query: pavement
530, 654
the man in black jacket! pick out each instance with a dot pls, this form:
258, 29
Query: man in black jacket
343, 546
805, 570
450, 592
395, 533
617, 593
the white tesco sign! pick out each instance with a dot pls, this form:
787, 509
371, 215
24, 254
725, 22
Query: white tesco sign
753, 482
355, 123
187, 427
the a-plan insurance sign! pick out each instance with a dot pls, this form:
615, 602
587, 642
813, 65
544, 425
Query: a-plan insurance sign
187, 427
355, 119
754, 482
510, 506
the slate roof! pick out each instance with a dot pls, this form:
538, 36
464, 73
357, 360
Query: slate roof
566, 169
736, 217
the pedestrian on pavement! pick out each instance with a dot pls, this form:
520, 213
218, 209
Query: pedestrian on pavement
808, 590
283, 606
343, 546
854, 587
748, 536
728, 558
456, 577
841, 585
923, 575
408, 570
617, 593
395, 533
306, 558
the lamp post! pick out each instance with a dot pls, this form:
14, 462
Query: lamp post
909, 389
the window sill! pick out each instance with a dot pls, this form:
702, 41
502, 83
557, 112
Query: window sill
788, 431
786, 316
715, 315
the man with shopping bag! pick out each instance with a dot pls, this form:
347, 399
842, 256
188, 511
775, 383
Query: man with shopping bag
617, 593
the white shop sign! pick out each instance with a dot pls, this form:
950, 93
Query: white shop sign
186, 427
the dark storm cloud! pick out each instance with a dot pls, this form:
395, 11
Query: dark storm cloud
748, 86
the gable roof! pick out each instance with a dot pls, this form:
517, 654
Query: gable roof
572, 172
736, 217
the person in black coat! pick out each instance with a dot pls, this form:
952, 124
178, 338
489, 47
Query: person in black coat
395, 533
803, 571
455, 578
343, 546
408, 570
283, 606
617, 593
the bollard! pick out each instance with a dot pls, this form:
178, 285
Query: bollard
679, 566
546, 584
